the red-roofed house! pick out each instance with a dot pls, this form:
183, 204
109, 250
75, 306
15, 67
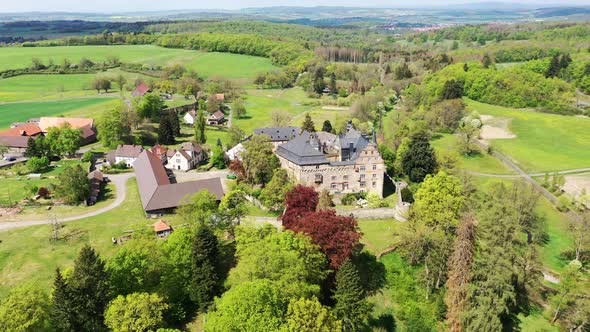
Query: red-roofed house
162, 228
216, 118
141, 90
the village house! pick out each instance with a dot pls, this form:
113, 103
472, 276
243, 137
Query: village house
347, 163
220, 97
16, 138
141, 90
96, 180
279, 135
162, 228
216, 118
161, 152
187, 157
234, 153
125, 153
159, 194
189, 117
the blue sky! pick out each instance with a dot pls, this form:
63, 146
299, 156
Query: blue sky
148, 5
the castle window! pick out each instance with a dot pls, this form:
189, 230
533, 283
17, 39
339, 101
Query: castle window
334, 177
374, 184
345, 177
374, 176
374, 167
333, 186
345, 185
319, 178
363, 184
363, 168
362, 176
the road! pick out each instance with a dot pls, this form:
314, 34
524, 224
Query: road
120, 183
515, 176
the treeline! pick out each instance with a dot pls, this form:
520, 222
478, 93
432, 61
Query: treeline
514, 87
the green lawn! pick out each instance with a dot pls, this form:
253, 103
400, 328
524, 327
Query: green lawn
544, 142
481, 163
261, 103
10, 113
379, 234
27, 255
47, 87
207, 64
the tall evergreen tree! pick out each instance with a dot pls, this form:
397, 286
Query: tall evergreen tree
459, 273
205, 279
308, 124
174, 122
419, 159
351, 305
166, 131
327, 126
200, 124
89, 289
63, 315
333, 86
486, 61
553, 70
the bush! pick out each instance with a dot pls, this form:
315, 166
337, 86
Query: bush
374, 201
120, 165
352, 198
407, 195
87, 157
36, 164
563, 203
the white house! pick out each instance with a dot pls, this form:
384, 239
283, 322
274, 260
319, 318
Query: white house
187, 157
234, 153
127, 154
189, 117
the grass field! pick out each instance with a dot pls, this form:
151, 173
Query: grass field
481, 163
544, 142
26, 255
206, 64
15, 112
48, 87
379, 234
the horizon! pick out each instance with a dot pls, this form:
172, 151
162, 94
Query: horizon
132, 6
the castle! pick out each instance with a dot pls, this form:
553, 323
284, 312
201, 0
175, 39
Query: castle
346, 163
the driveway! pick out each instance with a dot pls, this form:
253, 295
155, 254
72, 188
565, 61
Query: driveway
120, 183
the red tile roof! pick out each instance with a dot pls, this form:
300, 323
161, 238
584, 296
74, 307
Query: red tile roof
161, 226
26, 129
217, 115
141, 90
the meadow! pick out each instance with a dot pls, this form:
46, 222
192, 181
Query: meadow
206, 64
10, 113
53, 87
544, 142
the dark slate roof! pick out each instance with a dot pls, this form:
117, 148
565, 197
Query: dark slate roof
301, 151
132, 151
156, 191
279, 134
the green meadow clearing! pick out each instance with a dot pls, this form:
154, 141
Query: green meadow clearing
224, 65
53, 87
89, 107
544, 142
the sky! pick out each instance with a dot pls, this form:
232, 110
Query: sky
153, 5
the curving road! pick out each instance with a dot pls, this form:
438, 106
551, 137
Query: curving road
515, 176
120, 183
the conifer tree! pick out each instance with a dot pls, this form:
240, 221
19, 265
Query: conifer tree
333, 86
166, 131
327, 126
351, 305
200, 124
554, 66
205, 254
419, 160
486, 61
308, 124
459, 273
63, 316
174, 122
89, 289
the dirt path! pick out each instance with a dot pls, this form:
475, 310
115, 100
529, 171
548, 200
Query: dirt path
120, 182
507, 176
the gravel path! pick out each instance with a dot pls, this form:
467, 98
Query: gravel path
120, 183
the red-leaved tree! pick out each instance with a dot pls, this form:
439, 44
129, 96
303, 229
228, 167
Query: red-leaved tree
299, 202
336, 235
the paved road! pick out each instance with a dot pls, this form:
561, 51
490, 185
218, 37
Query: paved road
120, 183
515, 176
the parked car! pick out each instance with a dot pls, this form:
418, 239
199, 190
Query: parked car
9, 158
232, 176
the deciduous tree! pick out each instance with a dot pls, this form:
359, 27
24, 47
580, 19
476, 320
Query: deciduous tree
24, 309
73, 186
198, 208
258, 159
310, 315
299, 201
136, 312
273, 195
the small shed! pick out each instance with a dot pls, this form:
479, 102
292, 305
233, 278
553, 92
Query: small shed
216, 118
162, 228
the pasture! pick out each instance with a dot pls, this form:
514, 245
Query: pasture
89, 107
222, 65
544, 142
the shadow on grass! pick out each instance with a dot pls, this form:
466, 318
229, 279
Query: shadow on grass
385, 322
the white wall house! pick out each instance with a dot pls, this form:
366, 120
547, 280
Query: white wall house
189, 117
179, 160
127, 154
